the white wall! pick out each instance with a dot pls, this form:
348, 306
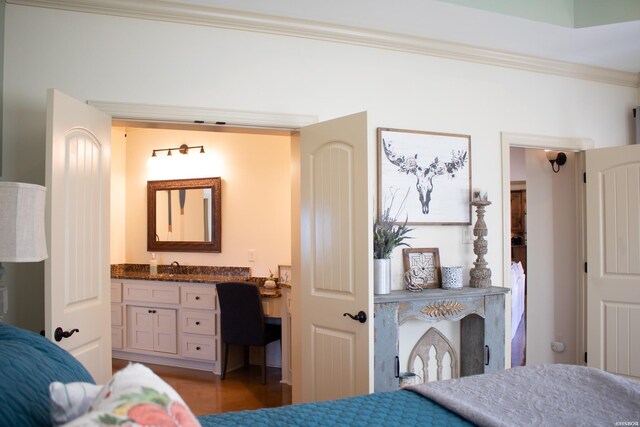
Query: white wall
94, 57
552, 258
256, 194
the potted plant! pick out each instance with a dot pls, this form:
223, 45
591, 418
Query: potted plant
388, 234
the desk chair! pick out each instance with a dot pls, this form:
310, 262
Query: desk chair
242, 321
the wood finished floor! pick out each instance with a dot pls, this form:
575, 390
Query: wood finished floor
205, 393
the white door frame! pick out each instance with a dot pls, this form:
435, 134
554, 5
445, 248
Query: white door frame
541, 142
208, 116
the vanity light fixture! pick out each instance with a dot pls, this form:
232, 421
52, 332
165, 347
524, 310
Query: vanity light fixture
558, 159
183, 149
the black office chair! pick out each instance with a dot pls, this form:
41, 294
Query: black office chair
242, 321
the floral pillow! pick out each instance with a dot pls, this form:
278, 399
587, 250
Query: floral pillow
71, 400
135, 396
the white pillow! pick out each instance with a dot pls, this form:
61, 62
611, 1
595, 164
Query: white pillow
135, 396
69, 401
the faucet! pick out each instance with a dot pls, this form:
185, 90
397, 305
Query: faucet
174, 264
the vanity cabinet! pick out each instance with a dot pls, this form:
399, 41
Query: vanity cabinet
168, 323
178, 324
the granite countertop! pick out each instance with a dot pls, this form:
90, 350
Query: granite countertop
166, 277
192, 274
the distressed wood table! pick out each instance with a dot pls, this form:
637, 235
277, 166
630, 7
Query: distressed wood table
481, 312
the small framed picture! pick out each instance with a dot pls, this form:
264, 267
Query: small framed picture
284, 274
422, 267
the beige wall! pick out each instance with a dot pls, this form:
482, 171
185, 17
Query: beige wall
118, 193
256, 195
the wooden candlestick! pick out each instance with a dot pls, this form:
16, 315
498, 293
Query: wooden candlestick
480, 275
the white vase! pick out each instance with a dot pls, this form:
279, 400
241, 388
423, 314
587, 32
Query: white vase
381, 276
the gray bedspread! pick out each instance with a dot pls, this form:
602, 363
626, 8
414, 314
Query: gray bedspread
543, 395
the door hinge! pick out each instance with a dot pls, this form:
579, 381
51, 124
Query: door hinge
585, 267
584, 177
585, 357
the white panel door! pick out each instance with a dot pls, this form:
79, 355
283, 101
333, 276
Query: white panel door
77, 273
613, 254
335, 259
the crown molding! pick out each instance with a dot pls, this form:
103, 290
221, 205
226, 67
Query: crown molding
168, 11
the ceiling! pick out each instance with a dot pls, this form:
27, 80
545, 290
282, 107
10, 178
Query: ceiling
545, 29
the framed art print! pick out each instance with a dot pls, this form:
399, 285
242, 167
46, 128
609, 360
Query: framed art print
284, 274
422, 265
432, 170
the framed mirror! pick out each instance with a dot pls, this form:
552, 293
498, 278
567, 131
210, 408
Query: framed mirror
183, 215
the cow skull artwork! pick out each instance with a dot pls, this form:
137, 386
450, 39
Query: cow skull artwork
425, 171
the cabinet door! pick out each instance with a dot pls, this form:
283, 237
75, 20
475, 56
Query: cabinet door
140, 321
116, 292
165, 330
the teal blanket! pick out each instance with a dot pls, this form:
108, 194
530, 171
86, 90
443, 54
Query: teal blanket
395, 408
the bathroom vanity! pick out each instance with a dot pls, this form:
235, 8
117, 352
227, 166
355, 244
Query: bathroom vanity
174, 319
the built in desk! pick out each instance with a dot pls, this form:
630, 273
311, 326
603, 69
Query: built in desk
481, 312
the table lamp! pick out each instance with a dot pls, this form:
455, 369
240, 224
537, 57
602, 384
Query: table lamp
22, 233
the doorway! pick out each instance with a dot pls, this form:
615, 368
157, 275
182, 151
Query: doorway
518, 206
550, 245
255, 168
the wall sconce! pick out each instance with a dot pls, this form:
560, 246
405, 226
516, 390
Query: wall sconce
558, 159
183, 149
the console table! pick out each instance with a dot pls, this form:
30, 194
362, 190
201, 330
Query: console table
481, 312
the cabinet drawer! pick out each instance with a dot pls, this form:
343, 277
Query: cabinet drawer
193, 297
199, 322
117, 315
116, 292
271, 307
198, 347
169, 294
117, 341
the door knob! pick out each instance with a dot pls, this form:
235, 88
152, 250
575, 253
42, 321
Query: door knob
58, 334
360, 317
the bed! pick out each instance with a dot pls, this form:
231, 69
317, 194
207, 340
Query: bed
32, 369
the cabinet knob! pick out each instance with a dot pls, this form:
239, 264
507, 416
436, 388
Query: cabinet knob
198, 348
197, 323
197, 298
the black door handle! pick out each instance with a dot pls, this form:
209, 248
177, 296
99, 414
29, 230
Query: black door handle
360, 317
58, 334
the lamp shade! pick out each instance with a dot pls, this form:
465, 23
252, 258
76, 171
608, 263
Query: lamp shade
22, 233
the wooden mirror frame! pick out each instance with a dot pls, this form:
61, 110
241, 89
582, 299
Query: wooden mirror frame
215, 184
